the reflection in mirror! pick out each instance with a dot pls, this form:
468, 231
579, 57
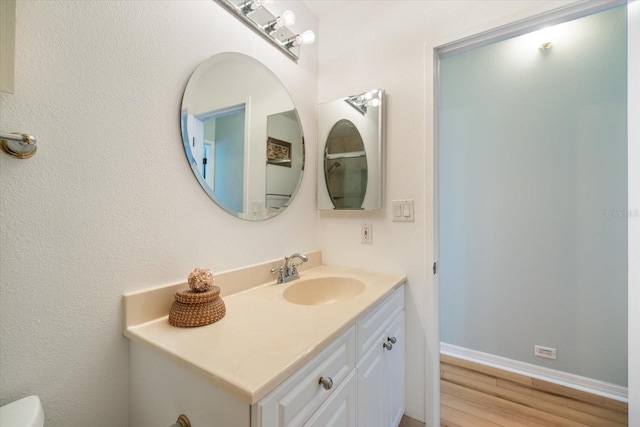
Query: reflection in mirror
242, 136
351, 173
345, 166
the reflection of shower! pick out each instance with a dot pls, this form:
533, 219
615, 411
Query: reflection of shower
335, 164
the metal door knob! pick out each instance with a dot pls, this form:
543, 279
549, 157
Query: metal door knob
327, 383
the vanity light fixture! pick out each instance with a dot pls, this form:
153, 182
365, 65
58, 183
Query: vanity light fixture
365, 100
255, 15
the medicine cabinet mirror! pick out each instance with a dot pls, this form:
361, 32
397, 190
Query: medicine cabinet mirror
350, 152
242, 136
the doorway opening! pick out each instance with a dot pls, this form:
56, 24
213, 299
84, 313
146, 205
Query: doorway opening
528, 186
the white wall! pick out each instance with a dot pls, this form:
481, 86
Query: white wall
389, 44
109, 203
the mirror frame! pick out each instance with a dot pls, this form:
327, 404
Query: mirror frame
369, 120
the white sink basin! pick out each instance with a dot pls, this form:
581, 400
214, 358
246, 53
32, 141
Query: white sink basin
323, 290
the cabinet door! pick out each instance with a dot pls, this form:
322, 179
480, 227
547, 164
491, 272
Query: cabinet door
340, 409
394, 370
381, 379
371, 387
377, 320
297, 398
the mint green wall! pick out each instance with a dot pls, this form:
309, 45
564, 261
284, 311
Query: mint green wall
229, 161
534, 198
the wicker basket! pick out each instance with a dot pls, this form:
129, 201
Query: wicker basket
193, 308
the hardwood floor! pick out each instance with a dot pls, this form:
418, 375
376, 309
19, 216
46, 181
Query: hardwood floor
410, 422
474, 395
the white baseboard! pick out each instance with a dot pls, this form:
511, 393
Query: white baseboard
597, 387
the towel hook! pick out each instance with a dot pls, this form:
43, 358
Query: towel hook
18, 145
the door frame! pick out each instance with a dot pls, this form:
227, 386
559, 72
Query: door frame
527, 25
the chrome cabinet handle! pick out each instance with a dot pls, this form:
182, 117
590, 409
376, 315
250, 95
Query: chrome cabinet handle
392, 340
388, 346
327, 383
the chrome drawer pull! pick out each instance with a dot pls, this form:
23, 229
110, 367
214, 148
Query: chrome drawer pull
392, 340
327, 383
388, 346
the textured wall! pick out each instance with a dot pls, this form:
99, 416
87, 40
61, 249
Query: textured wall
109, 204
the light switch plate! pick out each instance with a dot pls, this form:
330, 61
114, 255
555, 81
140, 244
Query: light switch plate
402, 210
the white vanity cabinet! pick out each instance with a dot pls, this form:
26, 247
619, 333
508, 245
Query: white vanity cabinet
367, 372
294, 401
381, 369
356, 380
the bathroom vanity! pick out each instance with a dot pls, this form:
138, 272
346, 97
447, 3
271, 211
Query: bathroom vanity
270, 361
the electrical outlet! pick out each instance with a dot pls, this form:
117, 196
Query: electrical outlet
366, 233
546, 352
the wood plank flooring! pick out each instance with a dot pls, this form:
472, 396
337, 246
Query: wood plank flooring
410, 422
475, 395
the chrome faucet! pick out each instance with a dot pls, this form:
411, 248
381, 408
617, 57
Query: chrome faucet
288, 271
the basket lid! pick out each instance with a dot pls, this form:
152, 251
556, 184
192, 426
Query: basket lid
188, 296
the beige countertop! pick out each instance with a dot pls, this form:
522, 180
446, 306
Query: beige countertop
263, 338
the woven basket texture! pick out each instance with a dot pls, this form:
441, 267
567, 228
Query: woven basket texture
191, 309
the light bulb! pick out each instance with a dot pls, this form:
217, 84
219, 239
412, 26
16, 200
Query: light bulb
375, 102
543, 38
307, 37
288, 18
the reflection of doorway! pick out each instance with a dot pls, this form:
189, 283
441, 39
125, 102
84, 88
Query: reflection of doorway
526, 219
222, 163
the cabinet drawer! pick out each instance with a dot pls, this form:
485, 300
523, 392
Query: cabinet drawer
296, 399
373, 323
340, 409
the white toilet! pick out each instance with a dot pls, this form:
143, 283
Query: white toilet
26, 412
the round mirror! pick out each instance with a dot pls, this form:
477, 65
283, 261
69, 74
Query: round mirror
345, 166
242, 136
